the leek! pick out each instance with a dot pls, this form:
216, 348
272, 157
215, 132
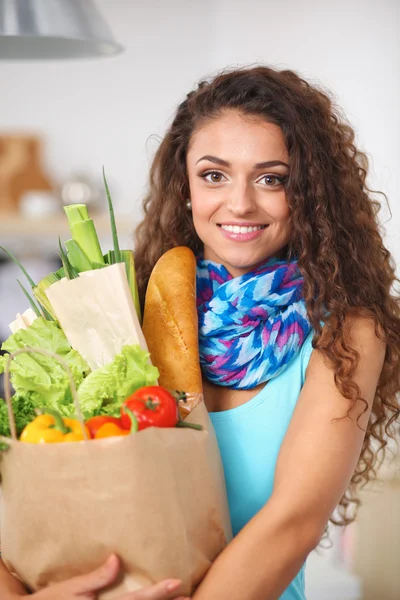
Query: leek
77, 257
68, 268
40, 293
128, 259
84, 232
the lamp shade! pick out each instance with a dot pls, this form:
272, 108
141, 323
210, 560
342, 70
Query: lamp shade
53, 29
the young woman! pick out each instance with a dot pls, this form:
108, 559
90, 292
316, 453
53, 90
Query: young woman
299, 334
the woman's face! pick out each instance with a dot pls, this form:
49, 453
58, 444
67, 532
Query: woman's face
236, 169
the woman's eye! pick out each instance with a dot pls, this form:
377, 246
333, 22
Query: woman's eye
273, 180
213, 176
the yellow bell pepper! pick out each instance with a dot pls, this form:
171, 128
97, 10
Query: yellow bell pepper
52, 428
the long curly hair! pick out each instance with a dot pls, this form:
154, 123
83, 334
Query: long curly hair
334, 230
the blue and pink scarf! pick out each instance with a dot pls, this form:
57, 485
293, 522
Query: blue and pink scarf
250, 327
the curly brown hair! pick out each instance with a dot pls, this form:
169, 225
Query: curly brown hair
334, 229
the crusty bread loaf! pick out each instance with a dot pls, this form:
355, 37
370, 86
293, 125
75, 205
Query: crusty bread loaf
170, 323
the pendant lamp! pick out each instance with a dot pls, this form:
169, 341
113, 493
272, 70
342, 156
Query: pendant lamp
53, 29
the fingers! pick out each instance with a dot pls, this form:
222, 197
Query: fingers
165, 590
97, 579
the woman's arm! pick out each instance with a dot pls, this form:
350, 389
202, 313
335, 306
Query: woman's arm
9, 585
315, 464
84, 587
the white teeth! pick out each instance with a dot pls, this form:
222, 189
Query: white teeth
237, 229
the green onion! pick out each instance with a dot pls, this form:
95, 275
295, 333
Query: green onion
31, 301
10, 255
47, 315
68, 269
40, 294
60, 274
42, 310
128, 259
117, 252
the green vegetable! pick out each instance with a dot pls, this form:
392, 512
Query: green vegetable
39, 292
112, 384
24, 413
40, 379
16, 261
84, 233
108, 410
44, 305
30, 300
128, 259
117, 251
69, 270
77, 257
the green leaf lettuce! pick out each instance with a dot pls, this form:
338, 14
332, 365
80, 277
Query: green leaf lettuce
104, 390
41, 379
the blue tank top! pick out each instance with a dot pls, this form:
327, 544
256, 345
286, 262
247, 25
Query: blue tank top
249, 439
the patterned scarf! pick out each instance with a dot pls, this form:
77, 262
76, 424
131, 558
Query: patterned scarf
251, 326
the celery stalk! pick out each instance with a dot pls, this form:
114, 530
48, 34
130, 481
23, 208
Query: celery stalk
84, 232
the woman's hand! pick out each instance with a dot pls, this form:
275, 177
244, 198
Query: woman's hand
85, 587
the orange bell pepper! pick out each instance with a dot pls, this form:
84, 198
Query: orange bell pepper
110, 430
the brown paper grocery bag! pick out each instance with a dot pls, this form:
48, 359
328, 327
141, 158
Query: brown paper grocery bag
156, 498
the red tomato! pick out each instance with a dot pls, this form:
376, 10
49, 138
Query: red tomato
153, 406
94, 423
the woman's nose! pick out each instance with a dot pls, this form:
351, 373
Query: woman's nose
240, 200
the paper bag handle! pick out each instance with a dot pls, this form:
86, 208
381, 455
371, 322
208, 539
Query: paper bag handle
7, 386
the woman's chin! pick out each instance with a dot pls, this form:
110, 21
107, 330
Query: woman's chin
240, 265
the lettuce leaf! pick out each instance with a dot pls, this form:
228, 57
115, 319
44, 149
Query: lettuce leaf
111, 384
39, 379
41, 382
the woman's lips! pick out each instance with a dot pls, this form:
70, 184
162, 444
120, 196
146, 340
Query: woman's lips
242, 237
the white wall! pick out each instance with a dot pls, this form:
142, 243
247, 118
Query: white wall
104, 111
352, 47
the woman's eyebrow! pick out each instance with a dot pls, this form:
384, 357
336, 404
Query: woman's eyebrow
225, 163
215, 159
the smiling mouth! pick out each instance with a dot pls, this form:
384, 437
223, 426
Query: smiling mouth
241, 228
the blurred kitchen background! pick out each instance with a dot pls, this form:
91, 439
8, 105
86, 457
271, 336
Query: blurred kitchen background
62, 120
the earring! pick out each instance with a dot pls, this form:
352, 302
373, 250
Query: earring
189, 205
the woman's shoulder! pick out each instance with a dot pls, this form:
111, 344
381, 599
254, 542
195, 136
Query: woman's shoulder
305, 354
360, 335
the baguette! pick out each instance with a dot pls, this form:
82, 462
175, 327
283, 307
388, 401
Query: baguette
170, 323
